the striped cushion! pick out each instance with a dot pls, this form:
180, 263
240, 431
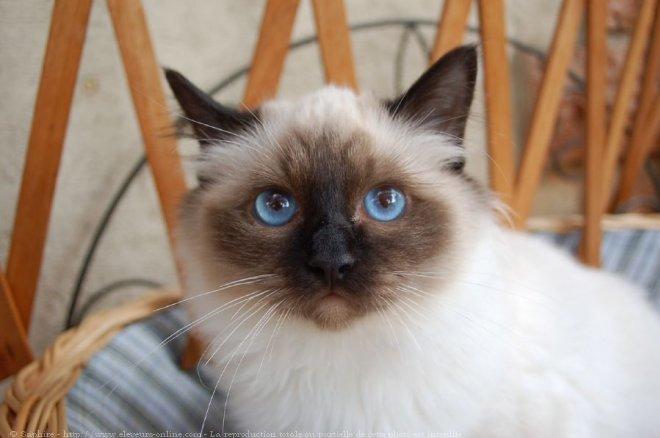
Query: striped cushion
135, 385
114, 394
635, 254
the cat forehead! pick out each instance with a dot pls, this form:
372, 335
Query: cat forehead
329, 107
329, 127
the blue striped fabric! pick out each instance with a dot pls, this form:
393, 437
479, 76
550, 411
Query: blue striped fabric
635, 254
134, 384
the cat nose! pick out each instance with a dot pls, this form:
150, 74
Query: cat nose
331, 267
331, 255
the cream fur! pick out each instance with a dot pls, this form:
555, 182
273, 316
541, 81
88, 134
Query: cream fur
517, 340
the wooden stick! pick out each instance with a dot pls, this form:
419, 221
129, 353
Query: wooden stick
641, 140
636, 158
144, 80
625, 95
498, 97
14, 348
271, 51
595, 137
546, 108
51, 115
335, 42
451, 27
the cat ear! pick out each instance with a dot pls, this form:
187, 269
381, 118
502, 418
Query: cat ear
440, 99
210, 120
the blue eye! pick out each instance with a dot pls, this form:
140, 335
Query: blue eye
385, 204
274, 208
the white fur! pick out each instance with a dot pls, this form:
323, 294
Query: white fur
520, 341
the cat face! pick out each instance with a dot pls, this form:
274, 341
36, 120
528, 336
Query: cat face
336, 201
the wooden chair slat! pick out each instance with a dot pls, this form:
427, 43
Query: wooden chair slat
625, 94
49, 122
335, 42
546, 108
145, 82
498, 98
641, 141
596, 130
451, 27
14, 348
271, 51
644, 144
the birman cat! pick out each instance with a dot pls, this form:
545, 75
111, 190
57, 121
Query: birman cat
347, 276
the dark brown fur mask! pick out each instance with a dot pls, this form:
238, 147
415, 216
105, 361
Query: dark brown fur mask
334, 201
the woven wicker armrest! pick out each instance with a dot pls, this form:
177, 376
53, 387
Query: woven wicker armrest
35, 401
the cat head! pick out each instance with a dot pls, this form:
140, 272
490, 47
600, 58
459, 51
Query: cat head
335, 204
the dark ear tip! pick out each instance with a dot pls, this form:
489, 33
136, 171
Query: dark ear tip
470, 54
183, 89
466, 50
466, 54
462, 58
173, 76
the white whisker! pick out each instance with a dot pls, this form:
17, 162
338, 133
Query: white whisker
253, 334
272, 335
240, 282
240, 323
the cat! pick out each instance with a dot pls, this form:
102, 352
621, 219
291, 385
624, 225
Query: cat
346, 275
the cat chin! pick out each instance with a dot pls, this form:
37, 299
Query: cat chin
333, 312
